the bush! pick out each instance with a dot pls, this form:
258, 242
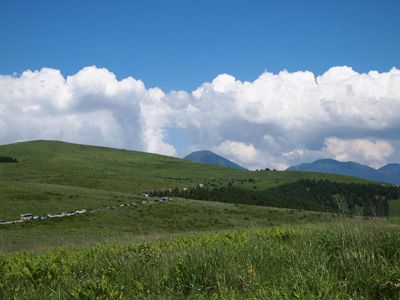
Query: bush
7, 159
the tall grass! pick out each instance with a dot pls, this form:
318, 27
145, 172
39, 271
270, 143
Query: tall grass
347, 261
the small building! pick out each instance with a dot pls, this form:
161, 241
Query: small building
26, 217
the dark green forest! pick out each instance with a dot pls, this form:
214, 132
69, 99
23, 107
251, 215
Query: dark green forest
317, 195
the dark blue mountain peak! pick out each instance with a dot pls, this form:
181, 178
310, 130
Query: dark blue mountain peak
208, 157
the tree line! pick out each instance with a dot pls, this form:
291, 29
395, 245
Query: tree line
4, 158
316, 195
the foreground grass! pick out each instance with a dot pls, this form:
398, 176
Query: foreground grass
352, 260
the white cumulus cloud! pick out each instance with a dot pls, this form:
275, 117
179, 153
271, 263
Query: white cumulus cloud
276, 120
373, 152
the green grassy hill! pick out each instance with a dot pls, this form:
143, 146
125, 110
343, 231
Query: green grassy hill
52, 177
127, 171
179, 249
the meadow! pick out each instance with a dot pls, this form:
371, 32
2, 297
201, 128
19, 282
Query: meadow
183, 249
355, 259
59, 163
52, 177
147, 222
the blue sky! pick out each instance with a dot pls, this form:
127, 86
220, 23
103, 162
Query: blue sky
236, 64
181, 44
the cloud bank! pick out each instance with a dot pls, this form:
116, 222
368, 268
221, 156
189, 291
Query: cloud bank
275, 121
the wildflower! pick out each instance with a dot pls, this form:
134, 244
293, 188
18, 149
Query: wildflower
251, 270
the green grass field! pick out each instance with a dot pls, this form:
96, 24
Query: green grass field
181, 249
346, 260
52, 177
148, 221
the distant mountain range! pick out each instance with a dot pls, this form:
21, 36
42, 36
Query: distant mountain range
208, 157
389, 173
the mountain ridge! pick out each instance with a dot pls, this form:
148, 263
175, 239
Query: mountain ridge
389, 173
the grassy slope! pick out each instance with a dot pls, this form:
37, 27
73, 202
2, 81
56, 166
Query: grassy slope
52, 177
148, 221
41, 198
168, 250
126, 171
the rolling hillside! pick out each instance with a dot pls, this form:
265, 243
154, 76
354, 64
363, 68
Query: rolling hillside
53, 177
180, 249
60, 163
